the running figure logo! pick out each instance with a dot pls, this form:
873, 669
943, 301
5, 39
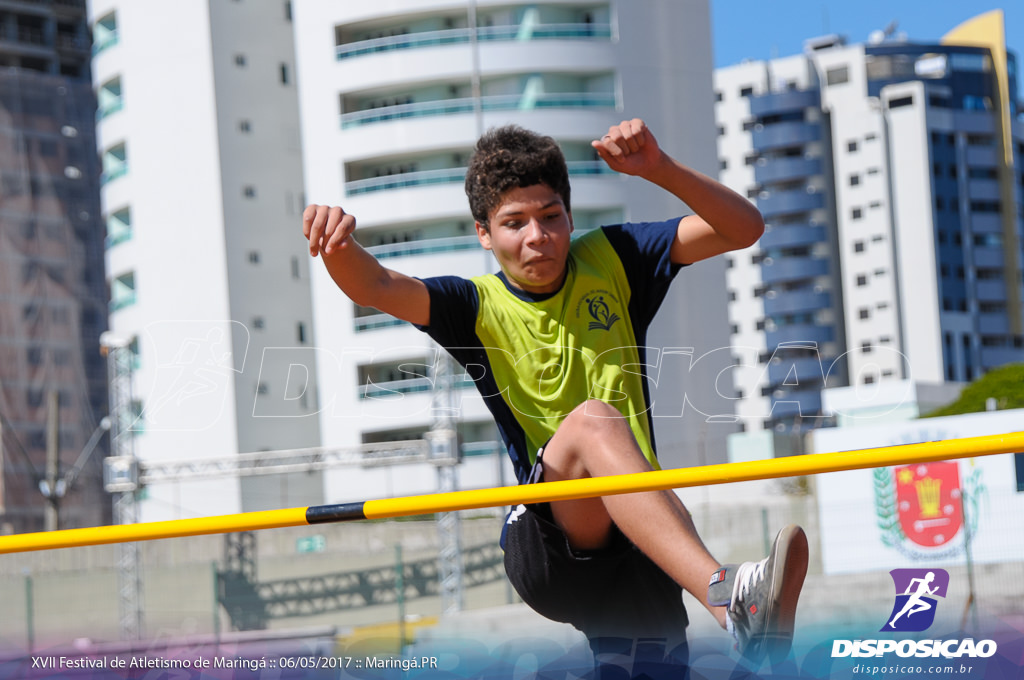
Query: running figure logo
916, 589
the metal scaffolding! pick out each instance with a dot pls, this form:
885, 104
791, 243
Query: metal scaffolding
121, 477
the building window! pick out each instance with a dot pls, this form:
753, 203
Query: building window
858, 246
245, 125
295, 267
721, 130
258, 323
723, 164
240, 60
865, 347
900, 102
288, 10
862, 279
300, 332
854, 180
249, 191
254, 257
864, 313
851, 146
746, 91
856, 213
285, 74
837, 75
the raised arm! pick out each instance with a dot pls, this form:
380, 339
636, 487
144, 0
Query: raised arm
357, 273
724, 220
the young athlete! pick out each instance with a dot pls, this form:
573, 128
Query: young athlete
547, 341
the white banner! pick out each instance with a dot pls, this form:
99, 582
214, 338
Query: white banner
905, 516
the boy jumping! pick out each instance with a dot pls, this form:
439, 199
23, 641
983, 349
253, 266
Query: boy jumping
546, 340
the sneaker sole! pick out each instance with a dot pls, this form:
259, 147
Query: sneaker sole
789, 555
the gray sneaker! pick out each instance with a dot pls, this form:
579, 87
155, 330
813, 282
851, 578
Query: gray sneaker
761, 596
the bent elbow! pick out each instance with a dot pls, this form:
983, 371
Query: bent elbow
752, 231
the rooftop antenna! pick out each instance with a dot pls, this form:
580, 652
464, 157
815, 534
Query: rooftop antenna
878, 37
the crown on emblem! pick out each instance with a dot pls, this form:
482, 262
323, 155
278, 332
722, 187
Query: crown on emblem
928, 496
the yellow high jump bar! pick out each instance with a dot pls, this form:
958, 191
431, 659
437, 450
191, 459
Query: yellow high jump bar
514, 495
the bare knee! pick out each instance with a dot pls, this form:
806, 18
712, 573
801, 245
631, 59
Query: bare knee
592, 430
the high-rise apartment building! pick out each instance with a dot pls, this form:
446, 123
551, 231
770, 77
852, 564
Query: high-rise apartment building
889, 176
198, 133
52, 293
393, 96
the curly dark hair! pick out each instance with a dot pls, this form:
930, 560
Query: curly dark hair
510, 157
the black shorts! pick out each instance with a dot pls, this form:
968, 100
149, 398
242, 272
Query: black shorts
616, 591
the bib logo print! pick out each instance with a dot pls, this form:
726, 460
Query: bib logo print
601, 314
916, 593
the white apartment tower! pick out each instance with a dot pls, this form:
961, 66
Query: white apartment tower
393, 96
198, 133
889, 177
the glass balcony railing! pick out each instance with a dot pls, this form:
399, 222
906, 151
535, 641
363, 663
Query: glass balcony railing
424, 247
805, 333
376, 321
487, 448
450, 176
113, 239
372, 390
107, 108
103, 42
122, 301
804, 403
113, 173
457, 36
513, 102
405, 179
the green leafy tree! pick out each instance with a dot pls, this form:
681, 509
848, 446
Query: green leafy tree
1004, 384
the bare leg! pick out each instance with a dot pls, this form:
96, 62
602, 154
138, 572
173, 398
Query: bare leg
595, 441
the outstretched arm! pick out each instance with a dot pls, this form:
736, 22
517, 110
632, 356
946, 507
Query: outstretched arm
357, 273
724, 220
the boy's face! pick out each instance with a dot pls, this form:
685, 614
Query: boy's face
529, 235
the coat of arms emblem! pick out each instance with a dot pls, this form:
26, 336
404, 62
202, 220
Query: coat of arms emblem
921, 508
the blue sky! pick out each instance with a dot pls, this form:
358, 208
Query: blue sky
762, 29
